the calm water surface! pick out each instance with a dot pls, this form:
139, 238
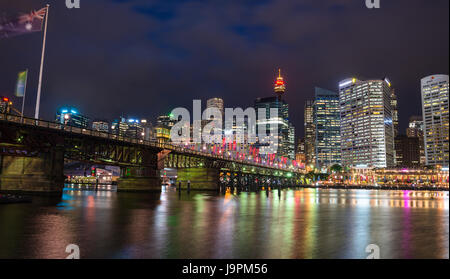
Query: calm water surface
305, 223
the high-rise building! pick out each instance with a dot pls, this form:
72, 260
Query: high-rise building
327, 121
291, 142
148, 130
128, 127
415, 130
71, 116
100, 125
216, 103
407, 151
310, 133
5, 104
394, 105
286, 132
164, 123
367, 132
166, 120
436, 119
415, 127
300, 156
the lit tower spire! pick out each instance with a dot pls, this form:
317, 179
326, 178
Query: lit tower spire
279, 85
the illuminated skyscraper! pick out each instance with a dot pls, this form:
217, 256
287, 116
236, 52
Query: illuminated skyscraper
164, 124
300, 156
407, 151
436, 119
100, 125
394, 105
367, 132
216, 103
128, 127
327, 128
310, 133
286, 131
415, 130
71, 116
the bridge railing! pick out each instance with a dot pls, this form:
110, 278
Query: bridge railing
106, 135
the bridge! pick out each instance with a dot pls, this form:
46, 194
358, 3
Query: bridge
32, 154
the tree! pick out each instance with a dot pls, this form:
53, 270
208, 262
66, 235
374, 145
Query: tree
336, 168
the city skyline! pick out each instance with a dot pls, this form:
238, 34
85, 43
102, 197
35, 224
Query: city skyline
157, 73
244, 131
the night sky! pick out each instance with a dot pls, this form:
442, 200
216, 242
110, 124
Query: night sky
142, 58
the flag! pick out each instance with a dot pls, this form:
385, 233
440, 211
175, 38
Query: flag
24, 24
21, 83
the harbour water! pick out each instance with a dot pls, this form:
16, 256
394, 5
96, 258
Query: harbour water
301, 223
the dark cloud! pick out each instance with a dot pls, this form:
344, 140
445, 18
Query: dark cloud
142, 58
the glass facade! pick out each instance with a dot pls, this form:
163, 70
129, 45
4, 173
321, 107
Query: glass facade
327, 128
282, 121
71, 116
367, 132
435, 115
310, 133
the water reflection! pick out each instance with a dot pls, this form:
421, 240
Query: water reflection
305, 223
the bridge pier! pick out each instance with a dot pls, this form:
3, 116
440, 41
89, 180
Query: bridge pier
139, 179
200, 178
43, 173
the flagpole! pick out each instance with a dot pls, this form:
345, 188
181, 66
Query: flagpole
24, 94
38, 98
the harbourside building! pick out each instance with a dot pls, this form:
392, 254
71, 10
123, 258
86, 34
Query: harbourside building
367, 131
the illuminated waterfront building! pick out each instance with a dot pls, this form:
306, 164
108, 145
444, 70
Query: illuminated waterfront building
407, 151
415, 127
147, 126
128, 127
436, 119
300, 156
394, 105
216, 103
71, 116
286, 132
310, 133
164, 124
415, 130
327, 146
367, 132
100, 125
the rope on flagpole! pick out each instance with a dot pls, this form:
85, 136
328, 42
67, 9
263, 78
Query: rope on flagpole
38, 97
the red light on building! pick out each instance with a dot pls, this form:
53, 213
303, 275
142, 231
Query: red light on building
279, 83
5, 99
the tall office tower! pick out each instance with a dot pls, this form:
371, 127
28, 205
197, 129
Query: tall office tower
367, 132
71, 116
216, 103
327, 121
415, 130
394, 105
415, 127
164, 124
407, 151
310, 133
128, 127
300, 156
436, 120
147, 127
285, 143
291, 142
100, 125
